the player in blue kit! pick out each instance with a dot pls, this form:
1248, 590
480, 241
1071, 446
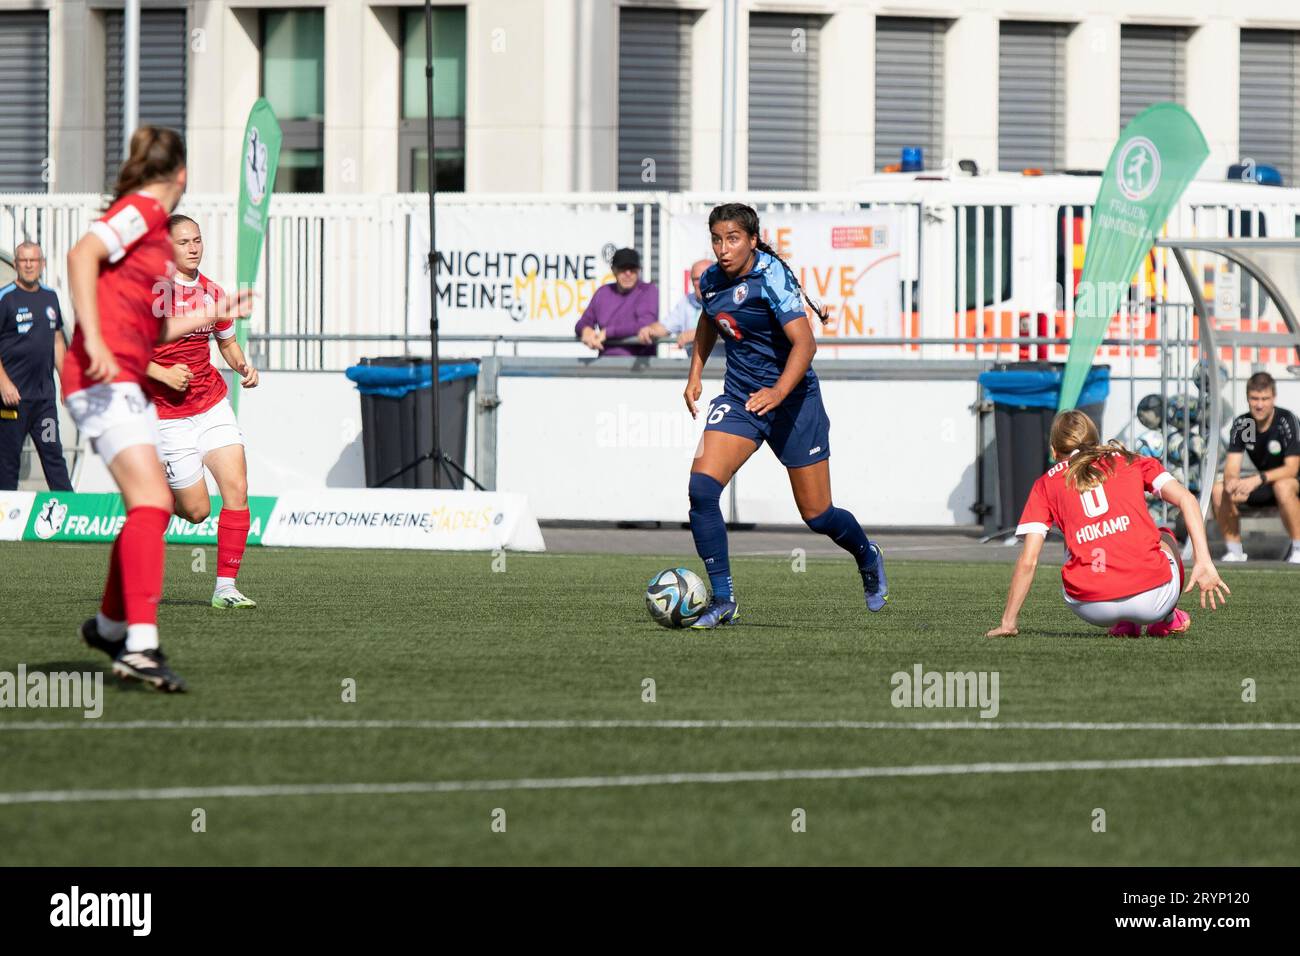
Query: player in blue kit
752, 299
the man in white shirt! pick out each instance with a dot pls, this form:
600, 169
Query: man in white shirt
685, 315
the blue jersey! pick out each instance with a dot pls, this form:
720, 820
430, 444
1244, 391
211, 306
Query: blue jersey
28, 323
750, 313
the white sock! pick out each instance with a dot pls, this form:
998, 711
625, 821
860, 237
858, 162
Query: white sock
108, 628
1234, 547
225, 584
1295, 545
141, 637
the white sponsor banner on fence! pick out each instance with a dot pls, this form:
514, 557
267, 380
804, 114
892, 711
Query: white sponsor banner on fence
15, 506
514, 271
402, 518
847, 261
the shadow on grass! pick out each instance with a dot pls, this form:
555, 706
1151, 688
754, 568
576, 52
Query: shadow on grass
83, 666
1099, 635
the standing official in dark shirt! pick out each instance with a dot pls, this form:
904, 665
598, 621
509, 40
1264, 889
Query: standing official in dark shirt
31, 348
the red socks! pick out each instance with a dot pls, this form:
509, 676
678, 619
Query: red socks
232, 535
135, 579
135, 570
112, 607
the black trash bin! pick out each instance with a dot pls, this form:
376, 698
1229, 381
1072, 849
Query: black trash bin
1025, 396
397, 416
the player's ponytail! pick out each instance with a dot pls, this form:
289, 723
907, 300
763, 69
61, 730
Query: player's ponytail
1075, 436
746, 217
156, 153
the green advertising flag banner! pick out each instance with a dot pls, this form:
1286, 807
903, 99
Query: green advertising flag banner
80, 516
258, 163
1157, 155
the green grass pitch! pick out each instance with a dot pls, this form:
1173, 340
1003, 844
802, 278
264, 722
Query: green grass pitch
444, 637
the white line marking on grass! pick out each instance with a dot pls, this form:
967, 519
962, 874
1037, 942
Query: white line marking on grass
313, 724
633, 780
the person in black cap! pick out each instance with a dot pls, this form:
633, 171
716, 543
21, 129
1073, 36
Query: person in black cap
621, 309
31, 347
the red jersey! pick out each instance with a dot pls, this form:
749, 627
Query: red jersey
207, 387
1113, 544
140, 266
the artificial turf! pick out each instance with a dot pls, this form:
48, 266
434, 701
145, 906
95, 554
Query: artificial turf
459, 637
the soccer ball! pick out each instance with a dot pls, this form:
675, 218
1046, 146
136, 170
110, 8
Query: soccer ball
1180, 409
1150, 443
1174, 445
1151, 411
1201, 374
676, 597
1191, 482
1185, 451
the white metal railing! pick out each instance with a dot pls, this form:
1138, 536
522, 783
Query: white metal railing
979, 254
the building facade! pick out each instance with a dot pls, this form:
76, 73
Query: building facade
597, 95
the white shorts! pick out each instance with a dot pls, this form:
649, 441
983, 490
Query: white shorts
114, 416
1145, 608
187, 441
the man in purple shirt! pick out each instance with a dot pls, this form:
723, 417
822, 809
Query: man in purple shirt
623, 308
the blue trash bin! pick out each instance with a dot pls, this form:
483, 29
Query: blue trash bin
397, 417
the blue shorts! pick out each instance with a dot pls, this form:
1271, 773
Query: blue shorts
798, 430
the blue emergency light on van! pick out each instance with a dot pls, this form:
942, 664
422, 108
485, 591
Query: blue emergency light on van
913, 161
1254, 173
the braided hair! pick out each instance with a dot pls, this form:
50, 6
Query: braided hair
747, 219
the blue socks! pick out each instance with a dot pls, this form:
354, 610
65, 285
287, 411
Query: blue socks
710, 532
842, 528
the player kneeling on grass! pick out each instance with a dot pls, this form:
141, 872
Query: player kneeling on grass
196, 421
1122, 571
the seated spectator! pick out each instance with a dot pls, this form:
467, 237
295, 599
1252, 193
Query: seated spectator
1271, 436
685, 316
624, 308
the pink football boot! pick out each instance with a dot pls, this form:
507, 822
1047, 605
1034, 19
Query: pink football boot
1126, 629
1181, 623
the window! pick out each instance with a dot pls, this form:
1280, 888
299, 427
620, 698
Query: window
293, 80
1069, 252
1269, 109
1152, 68
979, 228
909, 88
654, 106
448, 102
163, 48
783, 84
24, 100
1031, 96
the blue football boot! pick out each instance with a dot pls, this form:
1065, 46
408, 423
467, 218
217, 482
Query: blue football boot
718, 612
874, 583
